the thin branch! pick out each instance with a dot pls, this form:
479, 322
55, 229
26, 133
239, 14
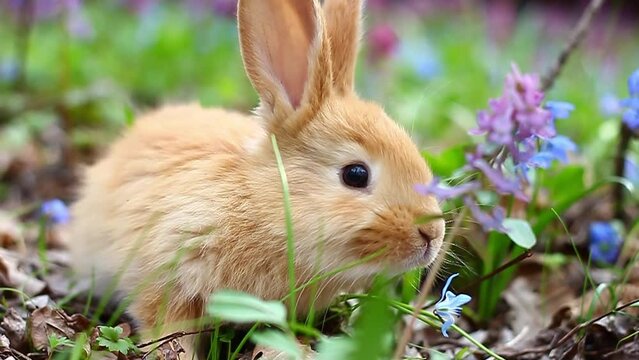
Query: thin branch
575, 39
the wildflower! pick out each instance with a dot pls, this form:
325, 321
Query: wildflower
444, 192
383, 41
631, 114
556, 148
631, 171
605, 242
55, 211
488, 221
559, 109
631, 118
609, 105
449, 306
502, 184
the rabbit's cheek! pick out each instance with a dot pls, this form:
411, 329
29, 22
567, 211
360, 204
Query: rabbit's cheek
397, 240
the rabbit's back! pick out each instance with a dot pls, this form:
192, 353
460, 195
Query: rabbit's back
160, 185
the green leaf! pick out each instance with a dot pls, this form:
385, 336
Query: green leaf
244, 308
520, 232
110, 333
278, 340
336, 348
110, 338
565, 183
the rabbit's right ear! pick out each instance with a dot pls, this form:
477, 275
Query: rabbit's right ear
286, 55
343, 26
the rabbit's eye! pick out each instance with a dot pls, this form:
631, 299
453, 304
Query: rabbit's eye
355, 175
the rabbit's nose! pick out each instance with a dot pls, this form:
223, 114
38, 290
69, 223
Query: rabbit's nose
431, 231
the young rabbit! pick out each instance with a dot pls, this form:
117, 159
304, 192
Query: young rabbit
189, 200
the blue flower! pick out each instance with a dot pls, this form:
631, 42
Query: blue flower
633, 83
560, 109
631, 115
605, 242
631, 118
449, 306
55, 211
553, 149
609, 105
631, 171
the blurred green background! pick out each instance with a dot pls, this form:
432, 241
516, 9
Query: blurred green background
73, 73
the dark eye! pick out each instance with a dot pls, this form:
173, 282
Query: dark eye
355, 175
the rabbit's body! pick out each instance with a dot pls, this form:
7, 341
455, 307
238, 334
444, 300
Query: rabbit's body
190, 201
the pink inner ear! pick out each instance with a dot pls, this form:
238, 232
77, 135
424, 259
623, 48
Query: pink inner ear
289, 32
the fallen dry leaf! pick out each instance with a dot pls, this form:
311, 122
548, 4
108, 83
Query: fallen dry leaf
15, 328
50, 321
171, 350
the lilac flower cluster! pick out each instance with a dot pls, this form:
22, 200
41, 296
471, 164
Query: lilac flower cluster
520, 135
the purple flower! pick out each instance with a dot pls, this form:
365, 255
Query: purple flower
449, 306
605, 242
444, 192
502, 184
633, 83
517, 115
488, 221
55, 211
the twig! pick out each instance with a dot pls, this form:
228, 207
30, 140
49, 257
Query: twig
491, 274
427, 285
18, 354
173, 336
168, 338
569, 334
575, 39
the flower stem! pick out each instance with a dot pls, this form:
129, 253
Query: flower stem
625, 134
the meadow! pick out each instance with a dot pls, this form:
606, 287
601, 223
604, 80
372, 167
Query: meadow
541, 206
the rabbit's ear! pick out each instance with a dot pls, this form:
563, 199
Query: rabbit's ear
286, 54
343, 27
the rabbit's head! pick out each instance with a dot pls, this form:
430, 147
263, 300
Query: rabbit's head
351, 169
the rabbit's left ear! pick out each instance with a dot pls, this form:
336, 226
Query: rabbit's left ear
343, 25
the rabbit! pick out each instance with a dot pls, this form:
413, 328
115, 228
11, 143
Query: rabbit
189, 200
